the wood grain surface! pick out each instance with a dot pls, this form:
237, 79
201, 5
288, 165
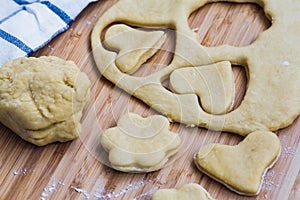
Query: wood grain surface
77, 169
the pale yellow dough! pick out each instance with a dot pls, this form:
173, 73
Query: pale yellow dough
272, 100
42, 99
140, 144
134, 46
242, 167
190, 191
214, 84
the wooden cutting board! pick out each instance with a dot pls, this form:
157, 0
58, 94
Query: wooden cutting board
77, 170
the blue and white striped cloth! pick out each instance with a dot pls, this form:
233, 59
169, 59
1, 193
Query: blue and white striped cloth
27, 25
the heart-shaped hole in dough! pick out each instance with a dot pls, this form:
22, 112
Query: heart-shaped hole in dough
140, 51
213, 84
241, 81
162, 58
222, 26
220, 87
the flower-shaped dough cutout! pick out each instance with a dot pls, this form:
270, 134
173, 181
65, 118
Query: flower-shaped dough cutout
242, 167
214, 85
140, 144
189, 191
272, 64
134, 46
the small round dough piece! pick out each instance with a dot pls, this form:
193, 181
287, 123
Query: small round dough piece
191, 191
42, 99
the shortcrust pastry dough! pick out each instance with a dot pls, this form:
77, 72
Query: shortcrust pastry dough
140, 144
272, 100
241, 168
134, 46
42, 99
189, 191
214, 85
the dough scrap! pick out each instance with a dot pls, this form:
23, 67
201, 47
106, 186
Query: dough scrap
241, 168
272, 64
42, 99
140, 144
190, 191
213, 84
134, 46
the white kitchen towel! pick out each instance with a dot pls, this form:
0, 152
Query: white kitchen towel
27, 25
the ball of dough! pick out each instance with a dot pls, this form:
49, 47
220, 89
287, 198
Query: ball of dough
42, 99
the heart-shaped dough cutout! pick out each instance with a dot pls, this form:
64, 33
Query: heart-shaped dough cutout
140, 144
135, 46
190, 191
214, 84
241, 168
